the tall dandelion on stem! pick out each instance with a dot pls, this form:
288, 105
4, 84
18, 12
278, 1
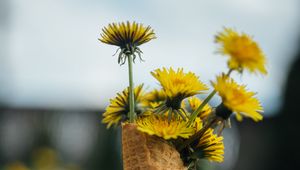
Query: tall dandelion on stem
243, 53
128, 36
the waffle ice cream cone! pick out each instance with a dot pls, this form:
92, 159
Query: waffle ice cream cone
144, 152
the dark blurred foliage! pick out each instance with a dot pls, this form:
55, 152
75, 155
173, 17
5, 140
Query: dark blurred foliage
104, 153
286, 126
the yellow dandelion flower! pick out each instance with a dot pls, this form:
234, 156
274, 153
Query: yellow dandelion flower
161, 126
128, 36
243, 51
177, 83
119, 106
177, 86
195, 102
45, 158
237, 99
210, 147
154, 98
198, 124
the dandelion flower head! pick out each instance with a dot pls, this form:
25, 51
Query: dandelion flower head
243, 51
237, 99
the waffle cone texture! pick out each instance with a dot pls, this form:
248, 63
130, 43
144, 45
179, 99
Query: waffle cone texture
144, 152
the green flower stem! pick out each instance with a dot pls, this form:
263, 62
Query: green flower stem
205, 101
131, 113
199, 109
210, 123
229, 72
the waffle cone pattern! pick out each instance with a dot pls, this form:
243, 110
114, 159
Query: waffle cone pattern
144, 152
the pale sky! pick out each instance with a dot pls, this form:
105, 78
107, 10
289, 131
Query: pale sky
53, 57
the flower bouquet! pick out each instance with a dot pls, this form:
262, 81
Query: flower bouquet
170, 127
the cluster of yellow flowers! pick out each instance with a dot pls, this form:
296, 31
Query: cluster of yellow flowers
174, 112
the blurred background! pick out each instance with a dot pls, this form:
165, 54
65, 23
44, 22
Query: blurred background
56, 78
